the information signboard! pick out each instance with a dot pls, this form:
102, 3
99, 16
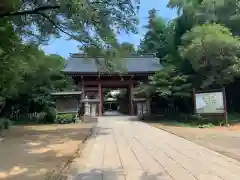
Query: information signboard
209, 103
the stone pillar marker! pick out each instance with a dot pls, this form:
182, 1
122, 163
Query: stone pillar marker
87, 107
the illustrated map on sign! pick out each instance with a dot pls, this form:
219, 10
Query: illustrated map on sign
209, 102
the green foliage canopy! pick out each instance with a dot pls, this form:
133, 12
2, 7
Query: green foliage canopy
213, 52
91, 23
199, 48
27, 75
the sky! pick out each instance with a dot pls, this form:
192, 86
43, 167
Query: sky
64, 47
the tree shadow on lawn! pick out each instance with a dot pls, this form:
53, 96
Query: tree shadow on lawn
29, 152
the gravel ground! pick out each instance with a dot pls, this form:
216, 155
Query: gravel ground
34, 152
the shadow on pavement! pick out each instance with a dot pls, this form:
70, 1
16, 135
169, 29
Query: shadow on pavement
115, 174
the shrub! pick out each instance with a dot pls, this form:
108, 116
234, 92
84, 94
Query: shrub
196, 119
203, 120
50, 116
65, 119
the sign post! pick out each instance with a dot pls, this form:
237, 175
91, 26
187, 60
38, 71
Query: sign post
225, 106
194, 100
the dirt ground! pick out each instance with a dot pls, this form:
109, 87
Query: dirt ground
37, 152
224, 140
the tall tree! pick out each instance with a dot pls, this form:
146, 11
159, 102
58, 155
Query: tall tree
154, 41
27, 75
213, 53
225, 12
174, 80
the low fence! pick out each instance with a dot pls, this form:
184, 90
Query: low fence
34, 117
165, 111
158, 114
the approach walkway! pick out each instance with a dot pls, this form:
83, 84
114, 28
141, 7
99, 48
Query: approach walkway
122, 149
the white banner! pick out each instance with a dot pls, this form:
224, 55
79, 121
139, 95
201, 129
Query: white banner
211, 102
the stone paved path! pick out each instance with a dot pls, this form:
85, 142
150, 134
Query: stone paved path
121, 149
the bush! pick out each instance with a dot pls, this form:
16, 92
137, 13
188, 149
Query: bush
65, 119
5, 124
203, 120
50, 116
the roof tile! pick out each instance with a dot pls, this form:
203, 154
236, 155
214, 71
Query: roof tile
81, 64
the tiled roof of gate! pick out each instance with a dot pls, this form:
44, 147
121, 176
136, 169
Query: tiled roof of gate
78, 63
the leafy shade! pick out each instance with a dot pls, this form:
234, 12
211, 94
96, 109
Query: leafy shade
213, 52
89, 22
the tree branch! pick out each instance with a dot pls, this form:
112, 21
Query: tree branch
38, 11
33, 11
60, 28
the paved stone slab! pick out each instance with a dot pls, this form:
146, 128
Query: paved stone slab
135, 175
127, 156
122, 149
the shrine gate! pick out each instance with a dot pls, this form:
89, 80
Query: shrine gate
90, 77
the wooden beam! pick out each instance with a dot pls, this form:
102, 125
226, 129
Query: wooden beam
91, 89
110, 74
110, 82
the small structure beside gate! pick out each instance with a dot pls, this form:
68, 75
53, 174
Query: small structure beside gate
67, 102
